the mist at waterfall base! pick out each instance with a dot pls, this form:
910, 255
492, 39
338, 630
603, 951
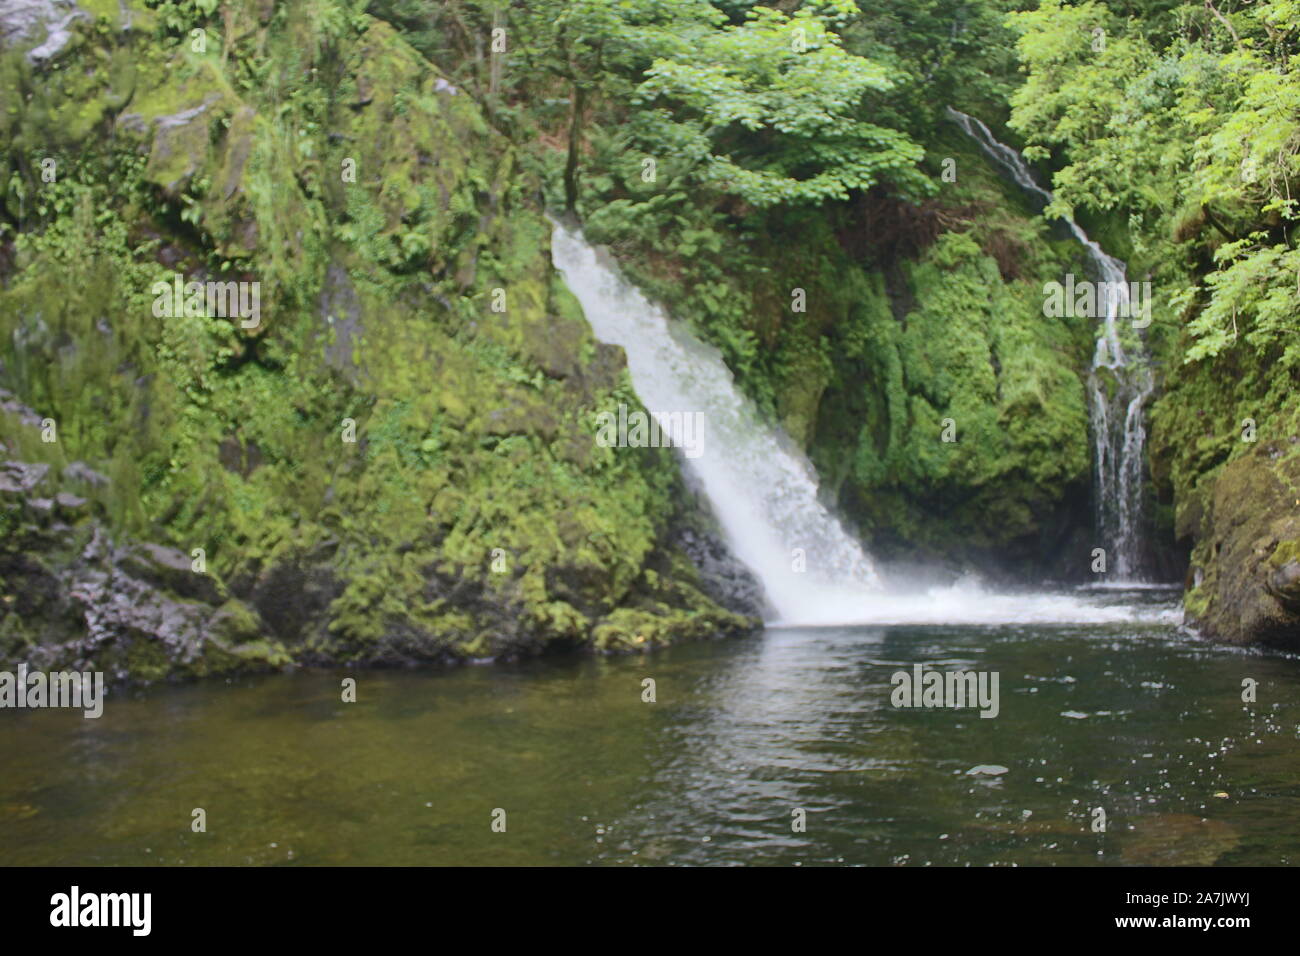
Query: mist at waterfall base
763, 491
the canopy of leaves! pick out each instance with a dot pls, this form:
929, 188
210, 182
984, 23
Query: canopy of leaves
771, 110
739, 98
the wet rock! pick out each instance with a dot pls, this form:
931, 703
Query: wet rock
137, 613
1249, 554
242, 458
34, 592
25, 21
722, 576
236, 623
11, 406
41, 507
341, 311
69, 506
1284, 584
581, 585
131, 122
292, 596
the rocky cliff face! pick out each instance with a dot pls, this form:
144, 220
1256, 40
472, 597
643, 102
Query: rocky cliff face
392, 460
395, 461
1227, 454
1245, 578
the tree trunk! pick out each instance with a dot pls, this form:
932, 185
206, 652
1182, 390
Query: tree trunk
575, 137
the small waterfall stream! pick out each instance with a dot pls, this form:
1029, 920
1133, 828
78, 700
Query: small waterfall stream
1119, 382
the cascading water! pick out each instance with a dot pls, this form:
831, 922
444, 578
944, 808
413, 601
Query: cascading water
763, 491
1119, 382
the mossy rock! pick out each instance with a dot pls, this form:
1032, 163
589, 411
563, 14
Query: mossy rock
1247, 557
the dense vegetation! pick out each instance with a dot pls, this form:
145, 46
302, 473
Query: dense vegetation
787, 146
729, 153
1182, 124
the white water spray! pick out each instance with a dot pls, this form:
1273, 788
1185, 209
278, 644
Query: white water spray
762, 489
1118, 384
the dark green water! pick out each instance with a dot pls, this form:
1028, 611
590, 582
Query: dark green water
741, 733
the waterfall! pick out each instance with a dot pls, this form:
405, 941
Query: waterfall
763, 491
1119, 382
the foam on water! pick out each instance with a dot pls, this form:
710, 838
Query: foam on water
967, 602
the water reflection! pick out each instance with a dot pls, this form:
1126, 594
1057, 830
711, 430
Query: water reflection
1134, 719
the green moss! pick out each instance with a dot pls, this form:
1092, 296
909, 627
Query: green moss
473, 426
1196, 602
908, 323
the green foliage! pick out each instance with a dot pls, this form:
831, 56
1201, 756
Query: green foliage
771, 109
767, 110
942, 52
1252, 297
1189, 122
1153, 124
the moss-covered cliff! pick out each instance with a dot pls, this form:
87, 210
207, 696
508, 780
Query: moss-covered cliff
1226, 457
395, 461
